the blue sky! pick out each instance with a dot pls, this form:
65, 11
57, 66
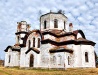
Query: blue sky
82, 13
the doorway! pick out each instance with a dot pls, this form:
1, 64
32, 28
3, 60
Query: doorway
31, 60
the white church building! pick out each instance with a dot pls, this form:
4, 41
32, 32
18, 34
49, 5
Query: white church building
55, 45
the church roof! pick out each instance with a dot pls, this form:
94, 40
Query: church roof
13, 48
57, 33
76, 42
82, 39
79, 31
54, 13
62, 33
85, 41
57, 43
36, 30
60, 49
21, 32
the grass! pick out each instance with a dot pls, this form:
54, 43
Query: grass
18, 71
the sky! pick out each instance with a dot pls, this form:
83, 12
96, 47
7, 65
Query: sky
82, 13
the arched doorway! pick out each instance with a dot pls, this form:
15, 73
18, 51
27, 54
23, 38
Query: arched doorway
31, 60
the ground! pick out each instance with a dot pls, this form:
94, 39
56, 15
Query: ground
17, 71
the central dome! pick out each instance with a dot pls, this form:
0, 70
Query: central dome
53, 20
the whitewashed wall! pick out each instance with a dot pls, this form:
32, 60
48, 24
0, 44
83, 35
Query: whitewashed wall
47, 18
60, 19
7, 57
47, 58
91, 56
50, 21
59, 60
14, 58
36, 59
31, 36
77, 56
25, 58
22, 57
45, 55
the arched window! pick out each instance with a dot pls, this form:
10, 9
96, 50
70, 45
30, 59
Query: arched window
29, 44
9, 58
55, 23
59, 60
33, 42
68, 60
38, 42
86, 57
45, 24
64, 25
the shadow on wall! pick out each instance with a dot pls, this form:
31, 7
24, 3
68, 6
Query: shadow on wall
97, 62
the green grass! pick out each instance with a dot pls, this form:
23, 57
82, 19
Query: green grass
18, 71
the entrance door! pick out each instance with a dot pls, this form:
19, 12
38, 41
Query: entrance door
31, 60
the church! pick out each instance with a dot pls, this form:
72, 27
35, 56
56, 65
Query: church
54, 45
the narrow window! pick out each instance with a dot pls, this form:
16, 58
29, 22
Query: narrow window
38, 42
29, 44
64, 25
33, 42
55, 23
59, 60
54, 59
68, 60
18, 38
86, 57
45, 24
9, 58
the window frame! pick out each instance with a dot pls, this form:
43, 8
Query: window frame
68, 60
59, 60
55, 23
45, 24
18, 38
9, 59
38, 43
29, 44
54, 59
33, 41
86, 57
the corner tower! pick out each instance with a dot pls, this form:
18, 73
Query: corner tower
22, 30
53, 21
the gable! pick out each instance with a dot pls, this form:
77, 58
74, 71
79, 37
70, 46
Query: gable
79, 33
34, 49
